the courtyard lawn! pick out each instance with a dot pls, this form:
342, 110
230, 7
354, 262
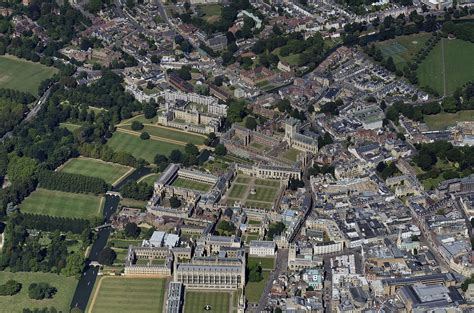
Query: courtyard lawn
23, 75
265, 263
123, 295
172, 134
267, 182
242, 179
253, 290
190, 184
110, 172
124, 243
445, 120
195, 301
263, 194
291, 154
448, 66
62, 204
402, 49
142, 149
132, 203
237, 191
61, 300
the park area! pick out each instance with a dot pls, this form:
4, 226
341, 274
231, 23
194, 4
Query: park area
23, 75
61, 301
191, 184
139, 148
109, 172
169, 134
196, 301
252, 192
444, 120
123, 295
448, 66
404, 48
62, 204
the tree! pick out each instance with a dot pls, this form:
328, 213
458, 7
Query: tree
255, 273
74, 265
226, 228
250, 123
175, 202
10, 288
161, 159
21, 168
107, 256
136, 125
132, 230
176, 156
40, 291
191, 149
149, 111
144, 136
220, 150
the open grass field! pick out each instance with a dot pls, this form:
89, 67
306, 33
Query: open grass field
403, 48
445, 120
149, 179
189, 184
110, 172
171, 133
23, 75
212, 12
195, 301
144, 149
63, 204
123, 295
265, 263
253, 290
448, 66
61, 300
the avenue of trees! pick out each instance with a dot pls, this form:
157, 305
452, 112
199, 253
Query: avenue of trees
72, 182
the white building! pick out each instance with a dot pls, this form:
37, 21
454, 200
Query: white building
262, 248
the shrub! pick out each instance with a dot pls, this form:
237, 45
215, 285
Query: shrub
40, 291
144, 136
136, 125
10, 288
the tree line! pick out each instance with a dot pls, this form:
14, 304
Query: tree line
72, 182
53, 223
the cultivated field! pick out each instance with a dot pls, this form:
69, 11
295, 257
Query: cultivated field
62, 204
144, 149
195, 301
190, 184
445, 120
110, 172
266, 191
23, 75
403, 48
448, 66
61, 300
123, 295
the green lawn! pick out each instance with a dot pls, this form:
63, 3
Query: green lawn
458, 64
150, 179
140, 204
253, 290
110, 172
189, 184
237, 191
70, 126
212, 12
445, 120
267, 182
265, 263
123, 243
403, 48
266, 194
195, 301
23, 75
63, 204
171, 133
123, 295
291, 154
61, 300
145, 149
242, 179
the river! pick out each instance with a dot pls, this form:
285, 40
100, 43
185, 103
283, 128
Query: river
89, 275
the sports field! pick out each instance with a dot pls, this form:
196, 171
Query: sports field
170, 133
61, 300
123, 295
190, 184
445, 120
144, 149
63, 204
448, 66
265, 192
403, 48
23, 75
195, 301
110, 172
